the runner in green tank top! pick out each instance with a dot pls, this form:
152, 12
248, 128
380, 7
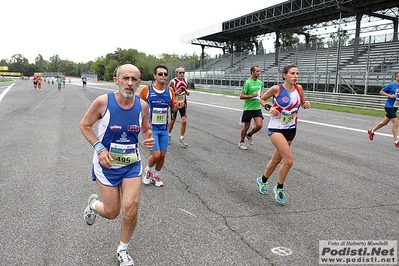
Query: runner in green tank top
251, 93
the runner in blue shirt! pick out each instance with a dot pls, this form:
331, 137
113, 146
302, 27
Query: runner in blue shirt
84, 80
391, 107
120, 117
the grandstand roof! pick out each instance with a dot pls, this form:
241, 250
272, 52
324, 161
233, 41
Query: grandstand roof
289, 16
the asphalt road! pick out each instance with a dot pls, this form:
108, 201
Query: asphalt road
342, 186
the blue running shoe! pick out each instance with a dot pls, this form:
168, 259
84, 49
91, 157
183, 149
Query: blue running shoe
279, 195
263, 187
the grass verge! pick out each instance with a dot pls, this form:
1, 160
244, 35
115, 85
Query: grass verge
5, 80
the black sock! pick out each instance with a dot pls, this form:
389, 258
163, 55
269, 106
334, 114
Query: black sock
280, 186
264, 179
249, 134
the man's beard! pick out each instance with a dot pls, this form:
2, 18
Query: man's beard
126, 94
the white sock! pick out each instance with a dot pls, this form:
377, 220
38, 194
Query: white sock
93, 205
122, 246
181, 137
156, 173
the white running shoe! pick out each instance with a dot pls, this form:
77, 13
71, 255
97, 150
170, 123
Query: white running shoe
249, 139
242, 146
147, 176
183, 142
124, 258
89, 214
157, 181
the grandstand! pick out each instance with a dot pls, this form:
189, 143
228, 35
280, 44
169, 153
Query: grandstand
361, 65
375, 67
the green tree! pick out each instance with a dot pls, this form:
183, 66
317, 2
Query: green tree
289, 39
104, 66
29, 70
18, 63
240, 46
40, 63
335, 36
261, 49
99, 67
110, 69
128, 56
70, 68
148, 69
54, 64
314, 40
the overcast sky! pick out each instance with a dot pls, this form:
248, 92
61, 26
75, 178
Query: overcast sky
84, 30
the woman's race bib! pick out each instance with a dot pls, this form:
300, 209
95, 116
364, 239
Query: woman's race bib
287, 118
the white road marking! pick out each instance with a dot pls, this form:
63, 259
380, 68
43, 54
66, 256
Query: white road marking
304, 121
5, 91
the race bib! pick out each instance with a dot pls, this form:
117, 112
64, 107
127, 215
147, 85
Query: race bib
181, 97
159, 116
123, 154
259, 92
287, 118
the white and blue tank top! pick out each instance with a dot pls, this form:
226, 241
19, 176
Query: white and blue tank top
159, 105
118, 131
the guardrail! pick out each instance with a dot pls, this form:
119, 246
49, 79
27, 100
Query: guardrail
340, 99
345, 99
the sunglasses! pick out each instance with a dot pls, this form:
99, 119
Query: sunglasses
182, 72
162, 74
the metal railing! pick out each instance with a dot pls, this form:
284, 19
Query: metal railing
340, 99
